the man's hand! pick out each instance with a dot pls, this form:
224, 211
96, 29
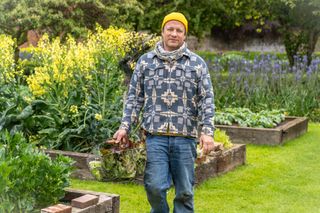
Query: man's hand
121, 137
206, 144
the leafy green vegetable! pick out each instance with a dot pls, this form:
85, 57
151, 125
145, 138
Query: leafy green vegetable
221, 136
95, 168
29, 178
120, 164
246, 118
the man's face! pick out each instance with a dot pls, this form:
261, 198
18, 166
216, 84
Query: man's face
173, 35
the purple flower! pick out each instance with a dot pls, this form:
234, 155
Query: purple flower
276, 65
309, 71
298, 75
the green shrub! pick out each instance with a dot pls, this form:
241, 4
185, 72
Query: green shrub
81, 86
206, 55
221, 136
316, 54
29, 178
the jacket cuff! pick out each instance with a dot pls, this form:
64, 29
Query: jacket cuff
125, 126
207, 131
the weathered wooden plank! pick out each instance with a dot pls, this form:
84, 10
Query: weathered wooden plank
294, 129
221, 162
291, 128
81, 162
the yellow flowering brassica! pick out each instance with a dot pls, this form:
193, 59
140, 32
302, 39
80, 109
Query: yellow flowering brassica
7, 63
98, 117
74, 109
58, 64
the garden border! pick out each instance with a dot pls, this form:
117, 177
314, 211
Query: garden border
82, 170
290, 128
221, 162
217, 163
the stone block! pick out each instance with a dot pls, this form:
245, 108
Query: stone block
84, 201
59, 208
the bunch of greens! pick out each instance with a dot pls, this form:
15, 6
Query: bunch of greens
246, 118
29, 179
221, 136
121, 164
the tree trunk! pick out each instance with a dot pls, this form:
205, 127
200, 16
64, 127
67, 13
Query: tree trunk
21, 38
312, 41
299, 44
292, 43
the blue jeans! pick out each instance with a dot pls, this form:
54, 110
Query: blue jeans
170, 158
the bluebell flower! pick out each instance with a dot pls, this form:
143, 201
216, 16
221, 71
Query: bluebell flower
309, 71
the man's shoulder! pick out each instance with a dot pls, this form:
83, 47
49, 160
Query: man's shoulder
195, 58
145, 60
147, 56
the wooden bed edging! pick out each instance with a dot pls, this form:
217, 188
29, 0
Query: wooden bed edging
291, 128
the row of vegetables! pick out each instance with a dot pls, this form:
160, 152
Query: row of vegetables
244, 117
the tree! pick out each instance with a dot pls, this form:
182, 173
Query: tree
202, 16
299, 25
61, 17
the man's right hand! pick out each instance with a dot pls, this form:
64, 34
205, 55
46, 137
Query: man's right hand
121, 137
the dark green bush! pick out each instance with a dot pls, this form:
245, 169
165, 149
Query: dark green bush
29, 179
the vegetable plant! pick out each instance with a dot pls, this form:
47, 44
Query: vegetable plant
29, 179
246, 118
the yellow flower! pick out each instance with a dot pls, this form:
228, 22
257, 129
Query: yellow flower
248, 16
7, 64
132, 65
85, 103
62, 68
98, 117
27, 99
74, 109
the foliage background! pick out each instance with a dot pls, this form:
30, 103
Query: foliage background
29, 178
69, 95
67, 92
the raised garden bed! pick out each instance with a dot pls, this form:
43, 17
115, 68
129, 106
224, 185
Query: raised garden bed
220, 162
217, 163
100, 203
82, 170
290, 128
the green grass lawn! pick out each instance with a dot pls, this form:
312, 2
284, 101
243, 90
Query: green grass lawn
275, 179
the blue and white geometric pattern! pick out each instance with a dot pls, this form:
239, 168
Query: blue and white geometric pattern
175, 97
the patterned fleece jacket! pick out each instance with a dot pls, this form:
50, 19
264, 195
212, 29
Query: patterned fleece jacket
174, 92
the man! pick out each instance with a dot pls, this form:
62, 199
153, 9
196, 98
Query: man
173, 87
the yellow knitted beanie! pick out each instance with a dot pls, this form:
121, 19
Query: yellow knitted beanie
177, 17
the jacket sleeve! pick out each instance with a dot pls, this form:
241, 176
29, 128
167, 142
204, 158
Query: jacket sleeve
206, 102
135, 99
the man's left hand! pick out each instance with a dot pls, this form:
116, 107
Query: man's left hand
206, 144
